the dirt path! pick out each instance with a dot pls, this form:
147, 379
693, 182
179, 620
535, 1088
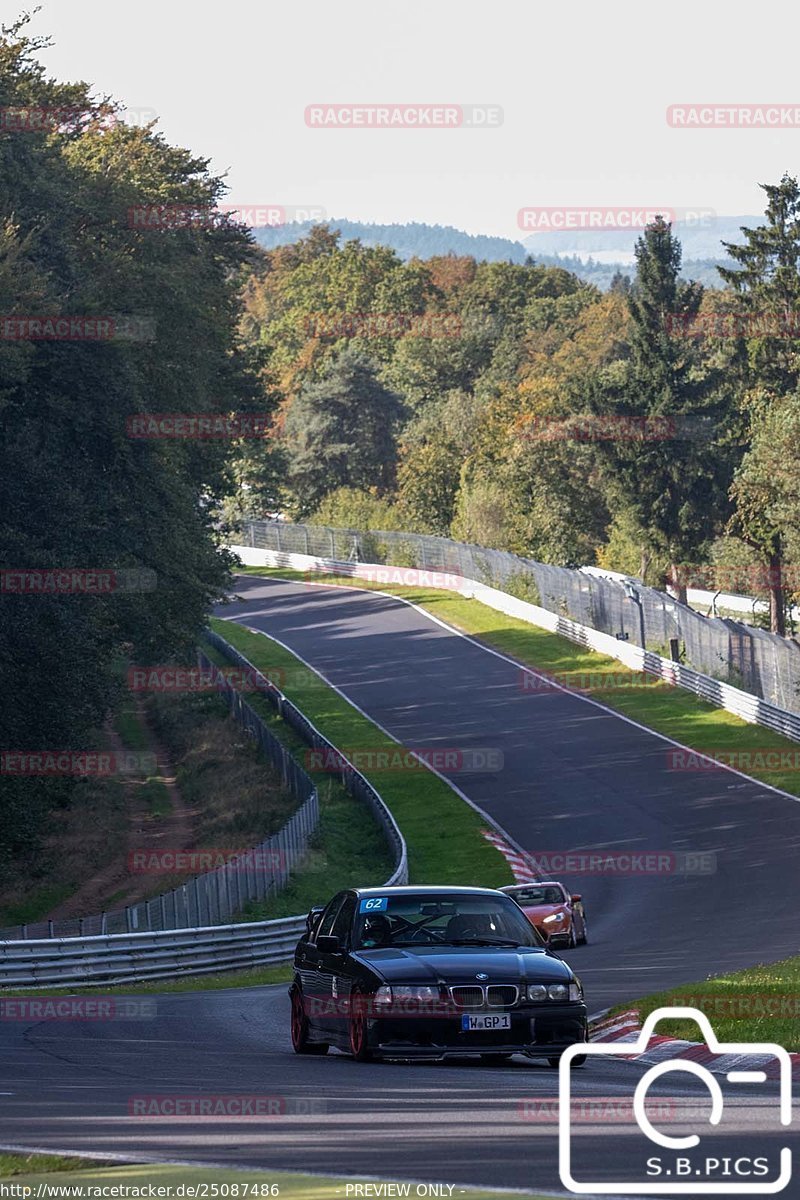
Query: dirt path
173, 831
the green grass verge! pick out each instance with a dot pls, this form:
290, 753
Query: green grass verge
25, 1164
142, 1175
443, 834
758, 1004
666, 709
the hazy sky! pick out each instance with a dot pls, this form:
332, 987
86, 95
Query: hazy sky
584, 88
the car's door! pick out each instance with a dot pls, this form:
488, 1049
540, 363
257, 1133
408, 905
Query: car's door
340, 966
315, 973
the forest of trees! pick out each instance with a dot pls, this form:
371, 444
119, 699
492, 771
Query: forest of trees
76, 491
651, 429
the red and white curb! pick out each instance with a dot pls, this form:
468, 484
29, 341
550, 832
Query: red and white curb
626, 1027
519, 863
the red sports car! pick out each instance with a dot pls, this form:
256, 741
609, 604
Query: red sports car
557, 915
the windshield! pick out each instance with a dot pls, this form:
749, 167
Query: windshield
551, 894
446, 920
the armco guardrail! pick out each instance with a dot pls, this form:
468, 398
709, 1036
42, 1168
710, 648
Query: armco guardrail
63, 962
136, 957
743, 704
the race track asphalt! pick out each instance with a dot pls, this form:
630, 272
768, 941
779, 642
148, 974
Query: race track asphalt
575, 777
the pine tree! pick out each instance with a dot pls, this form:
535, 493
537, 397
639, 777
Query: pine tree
766, 284
341, 432
664, 464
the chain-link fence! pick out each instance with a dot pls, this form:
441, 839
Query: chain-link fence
752, 659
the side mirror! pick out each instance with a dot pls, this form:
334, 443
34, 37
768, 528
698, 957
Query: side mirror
328, 944
575, 899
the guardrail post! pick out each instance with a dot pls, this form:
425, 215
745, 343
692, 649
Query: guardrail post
103, 923
50, 929
199, 913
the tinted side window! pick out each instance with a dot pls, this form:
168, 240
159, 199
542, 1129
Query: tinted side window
343, 924
327, 919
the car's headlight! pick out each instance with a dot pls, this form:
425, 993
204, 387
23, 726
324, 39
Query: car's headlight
537, 991
555, 991
554, 917
386, 995
416, 992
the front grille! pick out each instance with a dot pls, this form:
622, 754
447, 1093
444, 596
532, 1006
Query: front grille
467, 997
502, 995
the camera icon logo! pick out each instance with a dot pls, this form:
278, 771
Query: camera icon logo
685, 1174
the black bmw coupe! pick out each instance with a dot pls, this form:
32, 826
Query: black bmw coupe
428, 973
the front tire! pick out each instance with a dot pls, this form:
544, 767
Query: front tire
300, 1028
359, 1042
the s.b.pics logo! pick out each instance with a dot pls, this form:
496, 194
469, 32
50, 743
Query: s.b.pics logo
726, 1146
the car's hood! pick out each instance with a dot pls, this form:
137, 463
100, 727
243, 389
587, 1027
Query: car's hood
544, 910
460, 964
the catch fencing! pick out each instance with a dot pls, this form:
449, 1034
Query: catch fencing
762, 663
214, 897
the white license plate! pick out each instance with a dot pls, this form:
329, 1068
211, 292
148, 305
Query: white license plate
472, 1021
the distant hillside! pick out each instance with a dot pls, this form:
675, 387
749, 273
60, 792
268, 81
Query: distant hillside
575, 252
414, 240
701, 239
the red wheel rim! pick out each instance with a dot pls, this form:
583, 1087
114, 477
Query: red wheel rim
358, 1027
297, 1020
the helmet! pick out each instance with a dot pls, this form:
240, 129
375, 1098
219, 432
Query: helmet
376, 931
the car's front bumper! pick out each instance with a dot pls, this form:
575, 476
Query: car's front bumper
538, 1031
